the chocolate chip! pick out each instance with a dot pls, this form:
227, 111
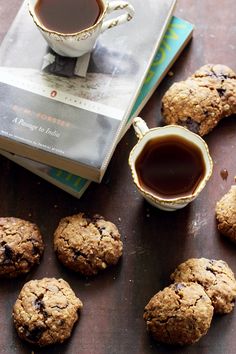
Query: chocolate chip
191, 125
78, 253
35, 250
39, 304
221, 91
35, 334
8, 252
210, 270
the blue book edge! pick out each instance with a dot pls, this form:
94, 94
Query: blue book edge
177, 36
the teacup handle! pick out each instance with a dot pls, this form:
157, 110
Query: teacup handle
140, 127
118, 5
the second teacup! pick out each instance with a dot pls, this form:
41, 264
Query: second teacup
71, 27
170, 165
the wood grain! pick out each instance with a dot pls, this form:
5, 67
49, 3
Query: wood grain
155, 242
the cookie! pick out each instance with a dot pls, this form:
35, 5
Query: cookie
87, 245
21, 246
223, 79
202, 100
216, 72
193, 106
46, 311
215, 276
179, 314
226, 214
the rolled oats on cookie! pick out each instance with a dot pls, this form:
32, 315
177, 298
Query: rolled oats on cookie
87, 245
179, 314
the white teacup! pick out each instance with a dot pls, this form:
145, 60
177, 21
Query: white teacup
79, 43
153, 137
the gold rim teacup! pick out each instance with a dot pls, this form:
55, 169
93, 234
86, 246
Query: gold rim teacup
144, 135
77, 44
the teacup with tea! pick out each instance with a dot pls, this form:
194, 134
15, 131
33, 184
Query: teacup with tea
71, 27
170, 165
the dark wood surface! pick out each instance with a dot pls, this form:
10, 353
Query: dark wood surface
155, 242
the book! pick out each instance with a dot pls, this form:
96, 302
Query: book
178, 34
75, 123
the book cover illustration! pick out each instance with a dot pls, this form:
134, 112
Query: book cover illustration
178, 34
74, 123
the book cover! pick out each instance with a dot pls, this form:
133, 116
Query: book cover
178, 34
75, 123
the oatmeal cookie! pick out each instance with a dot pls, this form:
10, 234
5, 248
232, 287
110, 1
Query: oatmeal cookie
226, 214
46, 311
202, 100
223, 79
195, 107
87, 245
180, 314
215, 276
21, 246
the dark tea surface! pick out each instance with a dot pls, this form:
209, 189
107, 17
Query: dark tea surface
68, 16
170, 167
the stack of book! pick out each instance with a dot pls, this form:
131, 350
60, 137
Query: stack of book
65, 127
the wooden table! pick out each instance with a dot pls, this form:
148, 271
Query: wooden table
155, 242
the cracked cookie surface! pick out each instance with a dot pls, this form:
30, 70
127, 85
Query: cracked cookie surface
202, 100
21, 246
215, 276
223, 79
226, 214
87, 245
46, 311
179, 314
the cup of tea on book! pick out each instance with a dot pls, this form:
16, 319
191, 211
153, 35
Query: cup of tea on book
71, 27
170, 165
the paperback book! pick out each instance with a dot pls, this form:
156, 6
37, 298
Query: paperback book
70, 122
178, 34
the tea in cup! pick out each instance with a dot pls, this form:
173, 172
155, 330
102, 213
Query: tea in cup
170, 165
71, 27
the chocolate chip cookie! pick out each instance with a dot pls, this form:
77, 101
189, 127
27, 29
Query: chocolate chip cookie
180, 314
21, 246
87, 245
226, 214
215, 276
202, 100
223, 79
46, 311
